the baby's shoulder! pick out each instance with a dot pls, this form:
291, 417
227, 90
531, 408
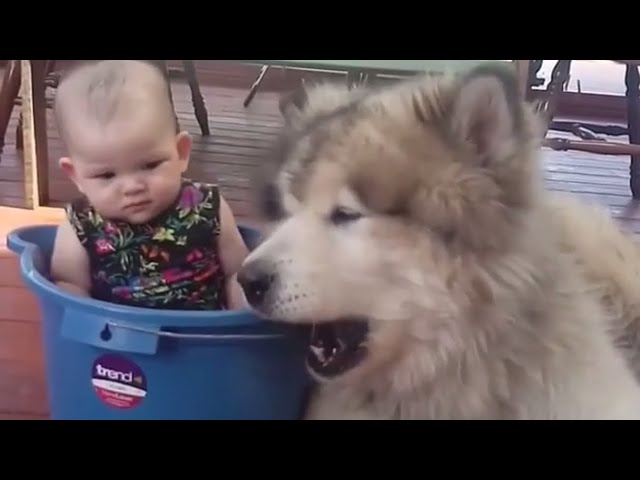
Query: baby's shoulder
199, 195
79, 205
208, 187
82, 216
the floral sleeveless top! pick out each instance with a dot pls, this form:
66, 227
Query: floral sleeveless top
169, 263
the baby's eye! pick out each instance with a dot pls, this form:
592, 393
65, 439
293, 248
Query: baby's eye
152, 165
105, 176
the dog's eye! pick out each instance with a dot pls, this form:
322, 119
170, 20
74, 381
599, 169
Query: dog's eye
341, 215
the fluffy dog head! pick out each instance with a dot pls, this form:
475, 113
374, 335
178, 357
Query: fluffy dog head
385, 204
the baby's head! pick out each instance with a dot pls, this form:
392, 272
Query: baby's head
125, 152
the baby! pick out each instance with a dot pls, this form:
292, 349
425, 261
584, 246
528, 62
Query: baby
141, 234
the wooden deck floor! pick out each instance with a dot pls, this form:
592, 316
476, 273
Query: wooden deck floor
239, 138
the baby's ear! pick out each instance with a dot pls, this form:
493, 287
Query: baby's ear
184, 143
486, 113
66, 165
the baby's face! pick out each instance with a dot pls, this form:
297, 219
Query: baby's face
129, 171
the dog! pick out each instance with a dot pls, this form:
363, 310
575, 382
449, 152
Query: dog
411, 231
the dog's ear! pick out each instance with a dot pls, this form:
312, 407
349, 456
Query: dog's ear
293, 103
486, 113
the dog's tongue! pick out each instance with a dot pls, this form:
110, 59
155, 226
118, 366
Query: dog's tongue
337, 347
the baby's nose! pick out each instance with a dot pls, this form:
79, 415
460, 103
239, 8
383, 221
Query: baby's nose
133, 187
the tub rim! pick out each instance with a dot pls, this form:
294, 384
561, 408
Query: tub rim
46, 289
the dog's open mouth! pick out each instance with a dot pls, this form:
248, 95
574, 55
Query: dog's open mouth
337, 347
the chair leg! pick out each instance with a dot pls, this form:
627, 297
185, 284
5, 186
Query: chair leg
162, 65
196, 97
557, 84
19, 138
8, 94
256, 84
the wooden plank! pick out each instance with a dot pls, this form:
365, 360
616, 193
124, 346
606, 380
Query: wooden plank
31, 197
11, 218
17, 304
9, 270
22, 416
23, 389
21, 342
34, 130
621, 191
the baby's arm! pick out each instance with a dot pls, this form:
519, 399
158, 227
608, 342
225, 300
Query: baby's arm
233, 251
70, 262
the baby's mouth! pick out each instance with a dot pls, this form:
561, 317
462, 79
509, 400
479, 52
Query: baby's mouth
138, 205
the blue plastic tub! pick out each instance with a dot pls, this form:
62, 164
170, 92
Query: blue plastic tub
111, 362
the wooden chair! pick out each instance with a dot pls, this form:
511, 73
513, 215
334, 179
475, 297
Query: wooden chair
9, 97
199, 107
587, 139
8, 92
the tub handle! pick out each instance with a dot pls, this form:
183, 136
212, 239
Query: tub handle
193, 336
95, 330
126, 337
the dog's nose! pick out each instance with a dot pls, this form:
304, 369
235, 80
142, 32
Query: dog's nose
255, 281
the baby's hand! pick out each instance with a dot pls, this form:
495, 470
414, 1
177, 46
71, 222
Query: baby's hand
233, 251
235, 296
70, 262
73, 289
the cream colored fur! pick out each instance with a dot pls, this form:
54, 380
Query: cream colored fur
487, 296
